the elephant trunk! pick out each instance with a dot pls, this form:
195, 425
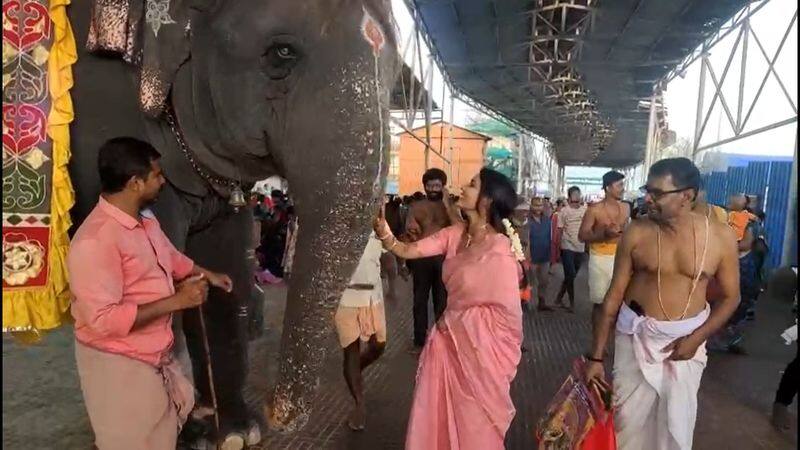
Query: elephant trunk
334, 224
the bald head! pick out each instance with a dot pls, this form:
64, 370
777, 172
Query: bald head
737, 202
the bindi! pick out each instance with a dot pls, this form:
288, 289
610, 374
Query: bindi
372, 32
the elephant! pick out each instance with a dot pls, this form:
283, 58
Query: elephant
231, 92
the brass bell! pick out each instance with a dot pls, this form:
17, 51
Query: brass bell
237, 198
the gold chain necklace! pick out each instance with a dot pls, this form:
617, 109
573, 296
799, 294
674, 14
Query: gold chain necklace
695, 268
469, 236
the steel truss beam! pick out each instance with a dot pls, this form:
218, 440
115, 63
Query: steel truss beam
739, 117
558, 28
713, 39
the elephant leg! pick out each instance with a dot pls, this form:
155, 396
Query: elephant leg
222, 247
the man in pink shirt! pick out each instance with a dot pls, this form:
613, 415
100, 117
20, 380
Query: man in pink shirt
123, 272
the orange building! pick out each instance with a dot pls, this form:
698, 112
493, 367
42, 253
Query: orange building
466, 156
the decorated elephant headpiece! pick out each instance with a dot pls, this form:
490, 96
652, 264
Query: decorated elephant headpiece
150, 34
154, 36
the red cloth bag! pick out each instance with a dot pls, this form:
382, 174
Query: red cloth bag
601, 436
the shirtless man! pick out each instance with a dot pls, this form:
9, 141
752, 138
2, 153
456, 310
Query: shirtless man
657, 299
601, 228
425, 218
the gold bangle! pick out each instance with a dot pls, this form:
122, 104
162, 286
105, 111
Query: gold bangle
385, 237
393, 244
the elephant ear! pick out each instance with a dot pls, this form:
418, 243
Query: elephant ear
153, 35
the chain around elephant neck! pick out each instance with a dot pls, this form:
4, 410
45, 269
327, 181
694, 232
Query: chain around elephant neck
190, 156
695, 268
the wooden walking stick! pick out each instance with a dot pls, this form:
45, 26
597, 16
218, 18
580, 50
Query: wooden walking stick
210, 376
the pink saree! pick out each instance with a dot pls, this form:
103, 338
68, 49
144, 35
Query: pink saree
462, 398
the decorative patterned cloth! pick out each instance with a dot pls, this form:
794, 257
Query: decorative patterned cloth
38, 53
143, 33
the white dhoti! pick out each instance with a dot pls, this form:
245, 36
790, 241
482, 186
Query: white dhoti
655, 399
601, 270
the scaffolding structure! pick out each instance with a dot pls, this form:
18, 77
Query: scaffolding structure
736, 113
535, 157
558, 30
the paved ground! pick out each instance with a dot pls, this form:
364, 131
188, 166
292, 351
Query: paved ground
42, 406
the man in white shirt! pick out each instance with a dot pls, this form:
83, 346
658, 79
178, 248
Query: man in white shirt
361, 318
572, 248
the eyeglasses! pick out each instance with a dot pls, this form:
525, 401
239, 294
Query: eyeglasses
657, 194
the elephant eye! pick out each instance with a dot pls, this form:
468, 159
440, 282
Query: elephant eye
279, 60
285, 52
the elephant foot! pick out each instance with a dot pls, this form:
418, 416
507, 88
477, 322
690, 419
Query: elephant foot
285, 416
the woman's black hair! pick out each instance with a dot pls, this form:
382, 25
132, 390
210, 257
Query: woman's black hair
498, 188
500, 191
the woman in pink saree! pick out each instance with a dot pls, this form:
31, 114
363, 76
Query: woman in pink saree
462, 398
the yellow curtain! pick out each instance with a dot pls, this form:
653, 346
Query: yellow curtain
29, 312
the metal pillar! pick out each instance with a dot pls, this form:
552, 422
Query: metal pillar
450, 138
699, 116
520, 161
652, 131
790, 230
428, 111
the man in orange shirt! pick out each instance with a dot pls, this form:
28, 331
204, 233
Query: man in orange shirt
122, 273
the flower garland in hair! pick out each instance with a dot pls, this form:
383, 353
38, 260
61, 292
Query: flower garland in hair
516, 245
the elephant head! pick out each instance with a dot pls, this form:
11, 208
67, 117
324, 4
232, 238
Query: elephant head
256, 88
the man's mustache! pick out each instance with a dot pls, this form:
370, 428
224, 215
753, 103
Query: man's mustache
434, 195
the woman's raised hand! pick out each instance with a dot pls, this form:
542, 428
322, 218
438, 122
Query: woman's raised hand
380, 226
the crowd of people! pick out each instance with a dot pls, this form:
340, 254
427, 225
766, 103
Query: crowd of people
658, 295
275, 219
661, 285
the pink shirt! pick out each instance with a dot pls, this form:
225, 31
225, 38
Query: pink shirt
117, 263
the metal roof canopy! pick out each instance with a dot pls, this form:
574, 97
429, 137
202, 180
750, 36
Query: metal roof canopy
573, 71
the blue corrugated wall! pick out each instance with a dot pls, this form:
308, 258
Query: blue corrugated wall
715, 188
757, 179
736, 180
777, 200
767, 180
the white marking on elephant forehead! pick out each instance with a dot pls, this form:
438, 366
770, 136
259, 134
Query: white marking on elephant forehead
157, 14
373, 33
377, 184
